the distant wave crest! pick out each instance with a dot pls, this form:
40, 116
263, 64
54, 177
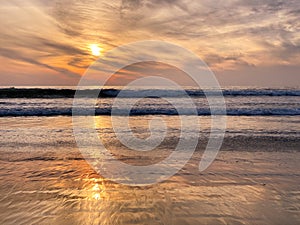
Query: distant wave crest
111, 93
140, 112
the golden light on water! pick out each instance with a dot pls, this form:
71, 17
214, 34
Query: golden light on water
96, 191
97, 196
95, 49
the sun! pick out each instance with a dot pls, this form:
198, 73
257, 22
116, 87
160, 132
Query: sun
95, 49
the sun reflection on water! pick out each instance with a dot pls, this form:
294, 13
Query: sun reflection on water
96, 189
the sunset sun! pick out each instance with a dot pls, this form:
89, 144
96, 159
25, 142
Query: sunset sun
95, 50
150, 112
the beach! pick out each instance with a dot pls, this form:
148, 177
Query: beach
139, 112
45, 180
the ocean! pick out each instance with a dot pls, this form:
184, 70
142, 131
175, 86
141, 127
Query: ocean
255, 178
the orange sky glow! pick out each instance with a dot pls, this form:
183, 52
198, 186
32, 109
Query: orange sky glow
244, 42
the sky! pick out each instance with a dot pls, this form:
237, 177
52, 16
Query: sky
244, 42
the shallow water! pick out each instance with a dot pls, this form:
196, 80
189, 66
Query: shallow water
254, 180
257, 188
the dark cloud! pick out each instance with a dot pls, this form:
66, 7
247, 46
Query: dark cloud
61, 48
79, 62
16, 55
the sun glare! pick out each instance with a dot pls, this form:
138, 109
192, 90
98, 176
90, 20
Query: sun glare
95, 49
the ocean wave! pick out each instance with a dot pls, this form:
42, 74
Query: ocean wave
150, 93
141, 112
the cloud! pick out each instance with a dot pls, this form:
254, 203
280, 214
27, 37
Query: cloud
228, 34
16, 55
213, 24
229, 62
29, 34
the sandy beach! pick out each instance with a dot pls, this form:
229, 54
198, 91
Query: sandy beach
45, 180
249, 188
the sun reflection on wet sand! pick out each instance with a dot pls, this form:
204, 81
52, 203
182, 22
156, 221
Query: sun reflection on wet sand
58, 186
224, 194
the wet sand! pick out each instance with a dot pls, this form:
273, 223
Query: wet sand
45, 180
247, 188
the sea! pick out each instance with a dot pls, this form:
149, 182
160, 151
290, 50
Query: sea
45, 178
